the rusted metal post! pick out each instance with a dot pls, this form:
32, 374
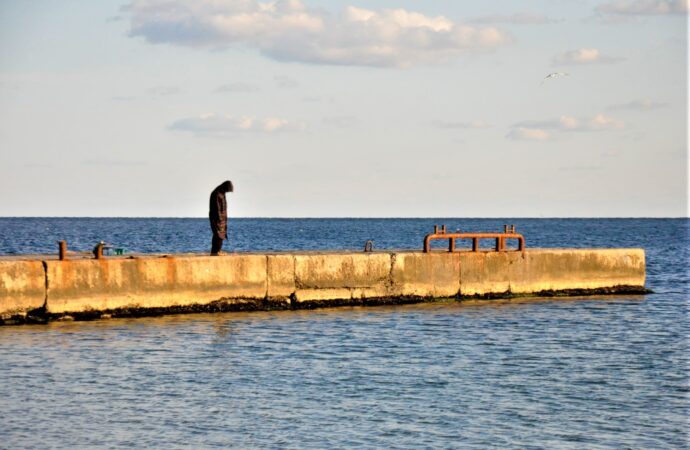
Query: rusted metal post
62, 250
451, 245
98, 250
475, 244
443, 229
435, 229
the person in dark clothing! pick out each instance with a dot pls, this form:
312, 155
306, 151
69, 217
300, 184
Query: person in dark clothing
218, 215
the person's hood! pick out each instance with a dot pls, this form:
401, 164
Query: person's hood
225, 186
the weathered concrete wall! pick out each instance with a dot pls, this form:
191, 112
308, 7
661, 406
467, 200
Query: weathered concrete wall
83, 285
342, 276
22, 286
550, 270
426, 274
280, 276
77, 286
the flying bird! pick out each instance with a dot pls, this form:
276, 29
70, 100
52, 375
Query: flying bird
554, 75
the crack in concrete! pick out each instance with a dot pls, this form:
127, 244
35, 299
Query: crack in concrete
390, 284
47, 284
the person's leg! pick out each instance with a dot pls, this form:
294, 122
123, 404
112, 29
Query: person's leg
216, 245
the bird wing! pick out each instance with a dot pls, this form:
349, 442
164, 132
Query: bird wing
553, 75
546, 78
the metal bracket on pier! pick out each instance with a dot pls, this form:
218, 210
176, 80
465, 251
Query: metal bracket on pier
369, 246
508, 233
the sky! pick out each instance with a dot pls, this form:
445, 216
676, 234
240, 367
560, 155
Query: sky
378, 108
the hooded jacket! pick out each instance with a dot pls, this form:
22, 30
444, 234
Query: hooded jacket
218, 210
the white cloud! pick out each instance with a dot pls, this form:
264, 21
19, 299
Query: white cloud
226, 125
161, 91
644, 7
580, 168
288, 30
114, 162
637, 105
516, 19
284, 82
545, 129
611, 153
273, 124
340, 121
585, 56
238, 87
123, 98
475, 124
569, 123
602, 122
528, 134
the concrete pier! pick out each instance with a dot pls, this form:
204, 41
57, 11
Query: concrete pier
36, 289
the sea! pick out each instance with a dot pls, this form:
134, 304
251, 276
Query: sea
602, 372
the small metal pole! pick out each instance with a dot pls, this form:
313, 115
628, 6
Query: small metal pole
369, 246
98, 251
435, 229
62, 250
451, 245
475, 244
443, 229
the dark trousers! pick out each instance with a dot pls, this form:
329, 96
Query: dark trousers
216, 244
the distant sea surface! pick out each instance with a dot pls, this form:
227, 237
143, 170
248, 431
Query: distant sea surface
597, 372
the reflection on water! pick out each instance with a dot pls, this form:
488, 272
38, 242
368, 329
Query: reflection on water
566, 373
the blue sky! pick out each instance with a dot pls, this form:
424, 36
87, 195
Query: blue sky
344, 108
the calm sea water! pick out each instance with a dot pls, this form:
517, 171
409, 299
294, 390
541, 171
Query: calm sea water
606, 372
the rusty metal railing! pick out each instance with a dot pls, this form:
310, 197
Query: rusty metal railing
508, 233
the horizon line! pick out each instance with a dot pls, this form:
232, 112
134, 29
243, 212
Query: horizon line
348, 217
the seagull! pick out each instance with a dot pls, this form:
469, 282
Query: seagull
554, 75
